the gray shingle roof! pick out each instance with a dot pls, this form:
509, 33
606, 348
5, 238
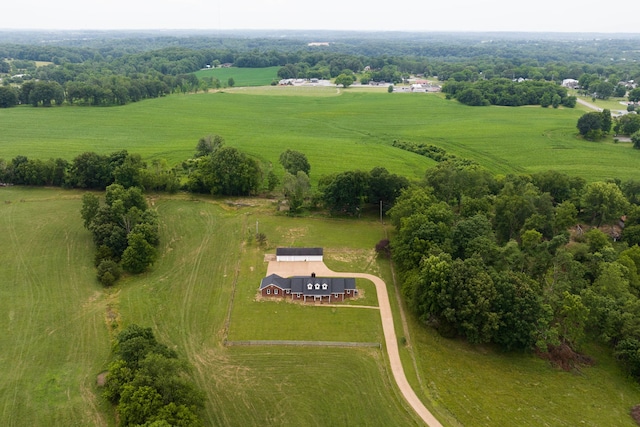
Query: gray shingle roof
319, 285
298, 251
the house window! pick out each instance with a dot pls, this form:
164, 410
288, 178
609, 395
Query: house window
309, 286
324, 286
317, 285
288, 291
275, 292
348, 292
268, 291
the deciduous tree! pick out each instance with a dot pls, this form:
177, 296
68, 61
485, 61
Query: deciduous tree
293, 161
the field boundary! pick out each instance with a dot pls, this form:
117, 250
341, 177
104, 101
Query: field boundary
302, 343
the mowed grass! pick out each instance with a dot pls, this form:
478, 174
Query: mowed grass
257, 318
54, 341
354, 130
242, 76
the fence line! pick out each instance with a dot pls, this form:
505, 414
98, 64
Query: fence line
302, 343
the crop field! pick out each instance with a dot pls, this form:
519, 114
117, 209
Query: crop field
337, 129
242, 76
203, 290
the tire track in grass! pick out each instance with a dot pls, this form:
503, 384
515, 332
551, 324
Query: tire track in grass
226, 323
21, 346
190, 283
209, 222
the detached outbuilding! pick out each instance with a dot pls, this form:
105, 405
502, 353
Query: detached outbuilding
299, 254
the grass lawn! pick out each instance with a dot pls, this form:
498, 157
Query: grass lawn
359, 125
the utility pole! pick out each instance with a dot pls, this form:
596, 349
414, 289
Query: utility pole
257, 227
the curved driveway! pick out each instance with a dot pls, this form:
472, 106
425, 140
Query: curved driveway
288, 269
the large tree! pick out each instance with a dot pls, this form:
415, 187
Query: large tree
294, 161
345, 80
45, 93
603, 202
345, 192
634, 95
627, 124
8, 97
590, 125
230, 172
385, 187
296, 189
208, 145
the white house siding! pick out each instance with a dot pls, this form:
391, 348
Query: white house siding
291, 258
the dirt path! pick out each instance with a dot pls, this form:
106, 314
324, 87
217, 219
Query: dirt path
288, 269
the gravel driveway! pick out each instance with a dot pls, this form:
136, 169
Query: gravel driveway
305, 268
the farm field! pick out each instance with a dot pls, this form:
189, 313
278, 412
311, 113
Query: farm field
359, 125
241, 76
203, 291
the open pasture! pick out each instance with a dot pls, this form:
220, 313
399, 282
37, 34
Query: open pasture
54, 341
351, 131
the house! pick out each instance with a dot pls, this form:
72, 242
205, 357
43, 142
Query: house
570, 83
299, 254
312, 288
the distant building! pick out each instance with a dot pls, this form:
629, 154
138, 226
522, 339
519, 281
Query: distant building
309, 288
570, 83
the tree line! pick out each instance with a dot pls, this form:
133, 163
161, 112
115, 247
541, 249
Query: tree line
543, 262
507, 92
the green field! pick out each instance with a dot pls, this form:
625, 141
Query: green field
58, 324
337, 130
241, 76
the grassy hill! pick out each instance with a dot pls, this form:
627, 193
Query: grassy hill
203, 290
337, 130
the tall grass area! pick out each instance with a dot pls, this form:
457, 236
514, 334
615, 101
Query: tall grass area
351, 130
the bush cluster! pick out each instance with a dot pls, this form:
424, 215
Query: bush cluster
149, 384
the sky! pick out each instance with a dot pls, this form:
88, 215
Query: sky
355, 15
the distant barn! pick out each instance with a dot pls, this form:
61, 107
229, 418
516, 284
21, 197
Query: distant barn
299, 254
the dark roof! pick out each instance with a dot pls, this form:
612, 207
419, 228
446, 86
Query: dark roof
319, 285
274, 279
298, 251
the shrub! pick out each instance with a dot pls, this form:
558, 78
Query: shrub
108, 272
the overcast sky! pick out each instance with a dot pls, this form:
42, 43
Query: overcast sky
370, 15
